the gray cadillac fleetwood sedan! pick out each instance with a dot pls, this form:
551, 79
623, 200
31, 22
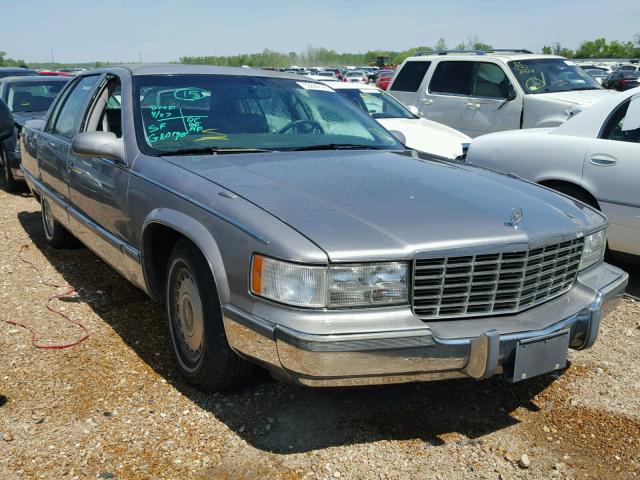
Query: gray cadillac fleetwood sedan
283, 227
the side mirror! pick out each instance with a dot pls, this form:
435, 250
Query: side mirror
399, 136
511, 95
6, 121
99, 144
413, 109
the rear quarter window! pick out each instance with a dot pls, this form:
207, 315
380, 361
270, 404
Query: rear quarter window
410, 76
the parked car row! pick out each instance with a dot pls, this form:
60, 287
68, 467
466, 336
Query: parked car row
283, 226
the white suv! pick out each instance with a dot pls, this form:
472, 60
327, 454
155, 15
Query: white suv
480, 92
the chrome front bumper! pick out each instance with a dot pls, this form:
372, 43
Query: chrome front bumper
432, 351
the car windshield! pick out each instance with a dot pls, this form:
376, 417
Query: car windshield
546, 75
32, 96
376, 103
231, 113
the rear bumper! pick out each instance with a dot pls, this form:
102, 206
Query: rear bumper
427, 353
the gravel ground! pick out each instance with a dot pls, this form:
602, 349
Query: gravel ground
114, 406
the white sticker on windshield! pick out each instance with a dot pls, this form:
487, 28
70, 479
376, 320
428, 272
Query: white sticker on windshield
314, 86
632, 118
569, 62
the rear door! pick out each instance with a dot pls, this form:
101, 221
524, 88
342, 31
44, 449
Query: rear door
448, 90
406, 83
612, 174
494, 104
55, 141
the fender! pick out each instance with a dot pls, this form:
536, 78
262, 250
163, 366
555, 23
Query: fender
199, 235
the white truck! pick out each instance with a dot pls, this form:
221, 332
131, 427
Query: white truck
478, 92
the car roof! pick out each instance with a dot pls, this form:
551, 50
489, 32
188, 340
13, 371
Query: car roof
505, 56
36, 78
185, 69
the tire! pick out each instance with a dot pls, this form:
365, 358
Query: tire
202, 352
54, 233
10, 184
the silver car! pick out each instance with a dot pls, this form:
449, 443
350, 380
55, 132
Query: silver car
282, 226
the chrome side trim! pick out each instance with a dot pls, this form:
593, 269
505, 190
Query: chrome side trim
622, 204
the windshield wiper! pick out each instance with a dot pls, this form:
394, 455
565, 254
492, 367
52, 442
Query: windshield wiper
212, 151
335, 146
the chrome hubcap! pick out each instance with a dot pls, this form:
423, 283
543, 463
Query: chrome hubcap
48, 218
188, 321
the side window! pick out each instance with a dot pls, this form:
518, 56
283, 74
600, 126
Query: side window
106, 112
490, 81
57, 103
410, 77
70, 108
624, 124
452, 77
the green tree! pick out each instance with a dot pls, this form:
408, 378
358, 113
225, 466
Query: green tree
440, 45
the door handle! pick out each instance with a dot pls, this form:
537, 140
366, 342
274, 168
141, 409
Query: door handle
472, 106
602, 160
52, 144
426, 101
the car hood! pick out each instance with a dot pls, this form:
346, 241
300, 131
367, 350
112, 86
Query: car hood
21, 117
578, 97
428, 136
368, 205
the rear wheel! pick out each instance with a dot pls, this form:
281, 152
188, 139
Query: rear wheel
10, 184
200, 345
55, 234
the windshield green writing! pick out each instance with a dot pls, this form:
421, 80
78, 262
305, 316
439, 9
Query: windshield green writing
169, 122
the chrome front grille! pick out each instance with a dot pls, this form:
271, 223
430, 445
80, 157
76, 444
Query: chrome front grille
497, 283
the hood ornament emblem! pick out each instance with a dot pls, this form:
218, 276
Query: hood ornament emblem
516, 217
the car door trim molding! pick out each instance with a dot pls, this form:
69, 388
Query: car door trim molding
616, 202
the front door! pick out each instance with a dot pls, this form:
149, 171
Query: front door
493, 104
612, 173
98, 185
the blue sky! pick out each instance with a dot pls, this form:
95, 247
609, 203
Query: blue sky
161, 30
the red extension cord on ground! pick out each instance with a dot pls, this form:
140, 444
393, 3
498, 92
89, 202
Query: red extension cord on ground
67, 292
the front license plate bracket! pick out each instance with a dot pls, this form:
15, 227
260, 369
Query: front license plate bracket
540, 355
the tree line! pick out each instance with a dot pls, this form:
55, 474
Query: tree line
598, 48
312, 56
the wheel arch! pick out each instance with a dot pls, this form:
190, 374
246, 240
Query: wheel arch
567, 186
160, 232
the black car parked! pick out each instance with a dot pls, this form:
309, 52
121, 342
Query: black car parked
28, 97
622, 80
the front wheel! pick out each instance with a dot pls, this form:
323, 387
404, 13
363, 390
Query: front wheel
200, 345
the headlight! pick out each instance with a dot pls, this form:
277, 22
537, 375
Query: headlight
594, 247
335, 286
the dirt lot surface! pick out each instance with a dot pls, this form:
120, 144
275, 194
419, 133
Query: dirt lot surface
114, 406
